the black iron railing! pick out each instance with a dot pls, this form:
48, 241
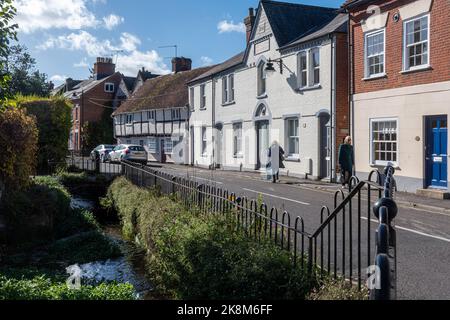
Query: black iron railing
342, 246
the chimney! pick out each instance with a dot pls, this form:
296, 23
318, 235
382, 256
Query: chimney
104, 67
181, 64
249, 23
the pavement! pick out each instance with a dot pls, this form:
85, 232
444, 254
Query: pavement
423, 225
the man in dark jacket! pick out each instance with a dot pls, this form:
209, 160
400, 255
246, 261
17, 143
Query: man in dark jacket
346, 161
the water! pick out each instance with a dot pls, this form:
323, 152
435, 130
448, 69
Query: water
128, 269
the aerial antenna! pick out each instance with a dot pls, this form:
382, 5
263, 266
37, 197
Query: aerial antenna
172, 46
116, 54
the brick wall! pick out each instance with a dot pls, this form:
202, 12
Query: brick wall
342, 89
439, 48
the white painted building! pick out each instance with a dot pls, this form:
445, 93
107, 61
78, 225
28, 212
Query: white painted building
240, 107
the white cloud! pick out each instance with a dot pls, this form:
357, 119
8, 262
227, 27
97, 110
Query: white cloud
33, 15
206, 61
112, 21
57, 79
226, 26
129, 58
82, 64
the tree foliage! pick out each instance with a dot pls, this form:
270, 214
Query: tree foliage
100, 132
53, 118
18, 142
7, 33
25, 79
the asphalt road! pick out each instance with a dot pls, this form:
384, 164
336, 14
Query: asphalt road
423, 237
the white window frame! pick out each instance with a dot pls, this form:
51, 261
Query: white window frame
261, 79
231, 88
367, 74
374, 162
301, 72
168, 146
204, 141
225, 92
406, 66
290, 154
176, 114
202, 96
192, 98
129, 119
152, 145
109, 85
309, 71
312, 68
237, 139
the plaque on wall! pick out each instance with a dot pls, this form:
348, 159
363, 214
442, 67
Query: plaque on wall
262, 46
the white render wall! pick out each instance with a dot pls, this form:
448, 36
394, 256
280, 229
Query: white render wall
409, 106
282, 100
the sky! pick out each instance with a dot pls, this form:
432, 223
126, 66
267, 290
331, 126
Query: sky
66, 36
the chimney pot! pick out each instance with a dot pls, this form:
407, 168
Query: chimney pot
249, 23
104, 67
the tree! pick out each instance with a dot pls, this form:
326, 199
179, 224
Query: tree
100, 132
25, 79
7, 33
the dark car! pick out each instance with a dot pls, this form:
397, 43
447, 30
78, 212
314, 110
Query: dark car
101, 152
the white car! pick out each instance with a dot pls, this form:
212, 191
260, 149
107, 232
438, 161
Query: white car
128, 152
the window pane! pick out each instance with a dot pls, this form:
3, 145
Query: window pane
384, 141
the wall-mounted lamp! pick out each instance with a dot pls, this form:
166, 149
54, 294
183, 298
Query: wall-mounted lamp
269, 66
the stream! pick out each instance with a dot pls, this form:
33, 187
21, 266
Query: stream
130, 268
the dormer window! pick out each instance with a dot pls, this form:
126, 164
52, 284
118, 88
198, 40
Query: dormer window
109, 87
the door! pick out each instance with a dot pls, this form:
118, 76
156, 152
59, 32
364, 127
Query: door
325, 150
262, 134
436, 155
163, 152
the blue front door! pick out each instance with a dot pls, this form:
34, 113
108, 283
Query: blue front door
436, 151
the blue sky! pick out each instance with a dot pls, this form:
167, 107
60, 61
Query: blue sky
65, 36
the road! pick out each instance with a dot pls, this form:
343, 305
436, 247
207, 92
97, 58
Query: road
423, 236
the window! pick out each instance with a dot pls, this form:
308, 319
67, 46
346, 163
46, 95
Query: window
168, 146
261, 78
141, 143
192, 98
384, 141
204, 141
416, 43
176, 114
109, 87
292, 138
129, 119
237, 139
224, 90
375, 53
315, 66
303, 69
228, 89
152, 145
76, 112
202, 97
151, 115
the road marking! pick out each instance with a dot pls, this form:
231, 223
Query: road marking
414, 231
273, 196
209, 180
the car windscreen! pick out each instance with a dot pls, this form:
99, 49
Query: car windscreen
109, 147
136, 148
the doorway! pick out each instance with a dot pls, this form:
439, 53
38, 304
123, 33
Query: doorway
163, 151
324, 146
262, 143
436, 152
219, 143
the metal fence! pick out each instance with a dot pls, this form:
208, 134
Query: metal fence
348, 244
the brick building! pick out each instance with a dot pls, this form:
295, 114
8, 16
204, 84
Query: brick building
400, 85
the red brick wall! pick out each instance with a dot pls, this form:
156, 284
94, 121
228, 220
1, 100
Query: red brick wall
342, 89
439, 48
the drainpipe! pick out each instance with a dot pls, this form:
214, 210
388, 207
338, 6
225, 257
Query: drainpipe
213, 120
333, 108
351, 80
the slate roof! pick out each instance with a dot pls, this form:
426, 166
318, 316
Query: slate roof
129, 82
169, 91
338, 24
85, 86
228, 64
290, 21
353, 3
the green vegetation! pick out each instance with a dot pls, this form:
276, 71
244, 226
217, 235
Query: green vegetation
100, 132
338, 290
7, 33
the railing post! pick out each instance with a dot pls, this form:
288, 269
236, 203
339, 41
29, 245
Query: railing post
200, 195
310, 257
174, 181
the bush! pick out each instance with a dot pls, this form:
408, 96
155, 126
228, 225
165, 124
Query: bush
42, 288
53, 118
18, 142
196, 256
338, 290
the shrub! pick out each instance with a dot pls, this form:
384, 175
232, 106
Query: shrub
53, 118
42, 288
196, 256
18, 141
331, 289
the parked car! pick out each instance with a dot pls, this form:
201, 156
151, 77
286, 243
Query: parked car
101, 152
127, 152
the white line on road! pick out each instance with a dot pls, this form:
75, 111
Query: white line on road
414, 231
272, 196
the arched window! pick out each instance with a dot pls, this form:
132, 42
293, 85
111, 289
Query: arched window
261, 111
261, 78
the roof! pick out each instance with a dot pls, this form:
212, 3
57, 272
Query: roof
169, 91
290, 21
85, 86
129, 82
338, 24
353, 3
228, 64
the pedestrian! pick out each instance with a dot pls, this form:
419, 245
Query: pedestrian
346, 161
276, 162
